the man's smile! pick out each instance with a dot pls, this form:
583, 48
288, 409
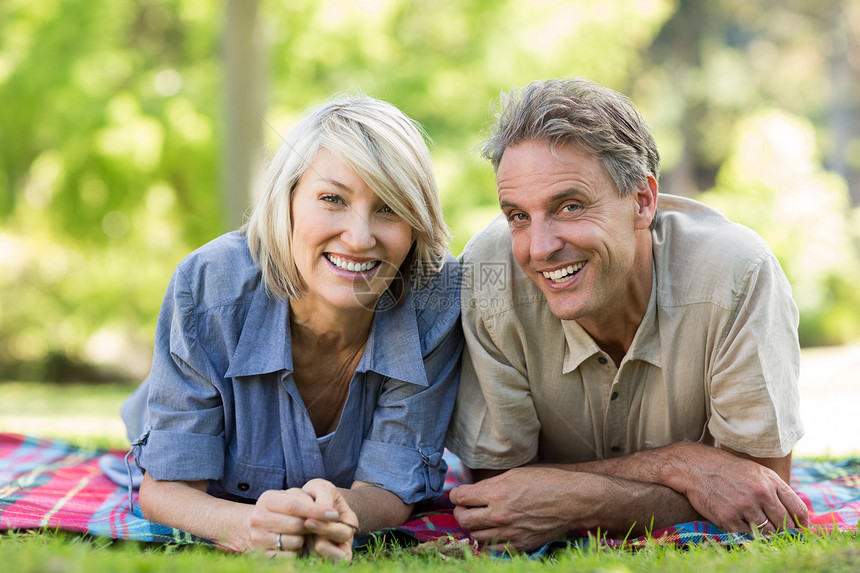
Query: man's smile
562, 274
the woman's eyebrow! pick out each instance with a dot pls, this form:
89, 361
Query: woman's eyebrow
337, 184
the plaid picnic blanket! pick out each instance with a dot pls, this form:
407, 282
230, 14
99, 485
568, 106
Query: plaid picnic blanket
56, 485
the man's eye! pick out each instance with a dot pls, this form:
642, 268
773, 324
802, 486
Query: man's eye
514, 217
571, 208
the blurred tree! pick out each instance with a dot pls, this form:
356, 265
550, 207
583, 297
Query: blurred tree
244, 108
102, 100
117, 155
107, 170
713, 63
773, 181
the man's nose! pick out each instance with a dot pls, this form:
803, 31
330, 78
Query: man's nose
544, 240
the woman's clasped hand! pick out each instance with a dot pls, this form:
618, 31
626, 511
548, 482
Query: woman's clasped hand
311, 520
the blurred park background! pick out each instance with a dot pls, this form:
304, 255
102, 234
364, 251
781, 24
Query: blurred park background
131, 132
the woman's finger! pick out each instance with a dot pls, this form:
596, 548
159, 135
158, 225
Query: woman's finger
329, 550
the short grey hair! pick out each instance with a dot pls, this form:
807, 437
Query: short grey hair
581, 113
388, 151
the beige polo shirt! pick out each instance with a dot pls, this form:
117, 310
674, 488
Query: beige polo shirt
715, 359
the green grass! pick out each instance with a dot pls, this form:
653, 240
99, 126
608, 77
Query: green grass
88, 415
56, 552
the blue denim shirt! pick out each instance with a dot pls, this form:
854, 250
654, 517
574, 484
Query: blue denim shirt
221, 403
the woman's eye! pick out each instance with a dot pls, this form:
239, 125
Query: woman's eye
389, 213
331, 199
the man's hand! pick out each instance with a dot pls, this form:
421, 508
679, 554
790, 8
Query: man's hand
527, 507
524, 508
734, 493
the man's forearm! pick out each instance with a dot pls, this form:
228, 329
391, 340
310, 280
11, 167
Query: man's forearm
735, 492
635, 508
647, 466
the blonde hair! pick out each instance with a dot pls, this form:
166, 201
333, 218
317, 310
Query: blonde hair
387, 150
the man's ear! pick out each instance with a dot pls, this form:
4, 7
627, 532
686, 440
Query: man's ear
646, 202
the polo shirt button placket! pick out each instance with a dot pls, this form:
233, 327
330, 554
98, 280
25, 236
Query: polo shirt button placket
602, 359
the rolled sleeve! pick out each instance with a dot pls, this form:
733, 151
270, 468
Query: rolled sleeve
418, 473
495, 424
184, 412
403, 451
181, 456
754, 390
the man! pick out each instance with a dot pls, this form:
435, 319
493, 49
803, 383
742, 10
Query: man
632, 360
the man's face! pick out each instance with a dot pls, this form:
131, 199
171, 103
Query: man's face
572, 233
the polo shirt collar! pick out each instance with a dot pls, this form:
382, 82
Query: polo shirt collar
580, 346
645, 346
393, 346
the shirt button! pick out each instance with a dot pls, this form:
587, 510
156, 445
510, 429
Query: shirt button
614, 396
602, 360
615, 449
243, 486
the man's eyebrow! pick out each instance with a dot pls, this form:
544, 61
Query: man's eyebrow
566, 194
560, 196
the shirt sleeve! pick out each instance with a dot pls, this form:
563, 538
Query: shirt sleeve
495, 424
755, 405
402, 453
184, 427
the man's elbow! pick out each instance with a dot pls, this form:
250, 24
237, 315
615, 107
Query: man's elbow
482, 474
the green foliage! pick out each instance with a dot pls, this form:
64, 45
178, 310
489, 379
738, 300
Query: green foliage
112, 125
773, 182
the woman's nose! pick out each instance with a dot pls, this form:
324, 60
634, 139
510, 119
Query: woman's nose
358, 234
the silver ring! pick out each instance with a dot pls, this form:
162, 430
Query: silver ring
763, 523
278, 543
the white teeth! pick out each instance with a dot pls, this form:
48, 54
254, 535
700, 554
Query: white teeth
351, 265
559, 275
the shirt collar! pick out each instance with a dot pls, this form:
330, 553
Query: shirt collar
264, 344
393, 346
645, 346
580, 346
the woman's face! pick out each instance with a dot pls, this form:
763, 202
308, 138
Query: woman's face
347, 243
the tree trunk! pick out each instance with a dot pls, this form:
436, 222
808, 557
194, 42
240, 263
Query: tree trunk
244, 88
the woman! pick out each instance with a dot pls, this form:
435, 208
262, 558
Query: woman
305, 367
